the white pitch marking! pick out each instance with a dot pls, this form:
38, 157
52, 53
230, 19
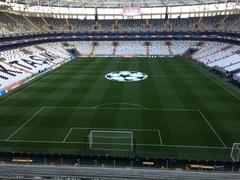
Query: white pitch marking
69, 132
160, 137
205, 119
25, 123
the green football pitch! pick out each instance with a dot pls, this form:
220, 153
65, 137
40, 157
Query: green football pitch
179, 111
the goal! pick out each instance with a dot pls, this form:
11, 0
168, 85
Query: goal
235, 153
111, 140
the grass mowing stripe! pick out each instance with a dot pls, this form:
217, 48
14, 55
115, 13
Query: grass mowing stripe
153, 88
91, 87
187, 98
110, 94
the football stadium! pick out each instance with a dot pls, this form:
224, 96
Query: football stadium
116, 89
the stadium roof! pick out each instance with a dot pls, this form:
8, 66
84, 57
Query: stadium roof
117, 3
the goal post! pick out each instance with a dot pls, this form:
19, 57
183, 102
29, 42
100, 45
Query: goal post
110, 140
235, 152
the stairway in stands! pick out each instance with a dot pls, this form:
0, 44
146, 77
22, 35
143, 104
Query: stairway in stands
114, 45
115, 26
94, 46
198, 25
219, 24
17, 24
49, 27
169, 47
146, 46
5, 27
68, 26
235, 23
38, 29
147, 25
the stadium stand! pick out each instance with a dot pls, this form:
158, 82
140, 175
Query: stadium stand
83, 47
130, 48
11, 23
218, 55
104, 48
18, 64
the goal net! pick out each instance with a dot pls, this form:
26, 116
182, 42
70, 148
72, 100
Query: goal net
111, 140
235, 153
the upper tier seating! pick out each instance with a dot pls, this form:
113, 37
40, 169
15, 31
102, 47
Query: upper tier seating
19, 24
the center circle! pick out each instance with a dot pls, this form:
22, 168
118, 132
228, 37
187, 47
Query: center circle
126, 76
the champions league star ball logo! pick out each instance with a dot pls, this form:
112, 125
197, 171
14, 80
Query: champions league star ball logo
126, 76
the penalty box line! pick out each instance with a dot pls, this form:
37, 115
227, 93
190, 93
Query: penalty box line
64, 140
213, 130
159, 133
109, 108
105, 108
28, 120
113, 129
